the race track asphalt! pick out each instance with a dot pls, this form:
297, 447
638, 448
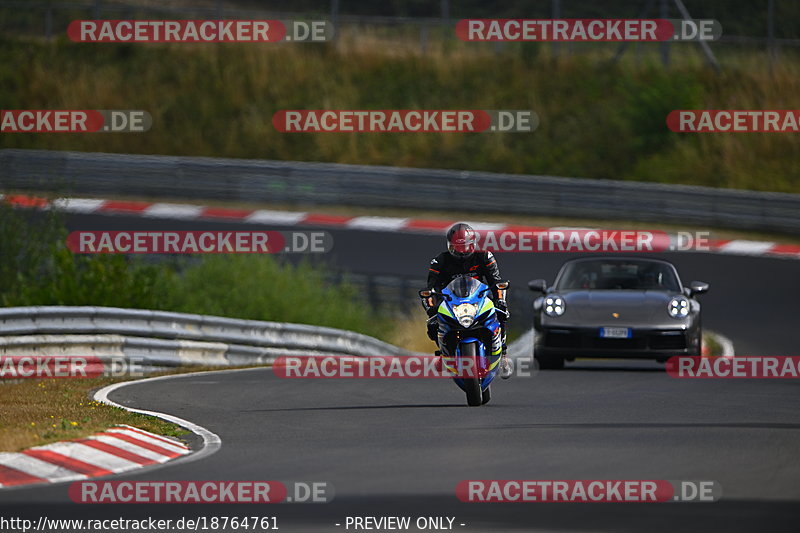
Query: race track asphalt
399, 447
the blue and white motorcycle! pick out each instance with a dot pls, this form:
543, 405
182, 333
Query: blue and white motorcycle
470, 336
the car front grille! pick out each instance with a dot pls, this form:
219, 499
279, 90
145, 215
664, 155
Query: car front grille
577, 339
618, 344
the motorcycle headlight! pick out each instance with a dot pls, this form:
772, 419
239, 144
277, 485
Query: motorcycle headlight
678, 307
465, 314
554, 305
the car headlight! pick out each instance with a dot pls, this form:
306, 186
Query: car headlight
554, 306
465, 313
678, 307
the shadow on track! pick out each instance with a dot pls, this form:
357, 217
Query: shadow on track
649, 425
353, 407
614, 367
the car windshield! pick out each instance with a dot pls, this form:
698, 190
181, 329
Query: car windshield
615, 274
463, 287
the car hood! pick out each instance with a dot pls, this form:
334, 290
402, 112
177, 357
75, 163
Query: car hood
599, 306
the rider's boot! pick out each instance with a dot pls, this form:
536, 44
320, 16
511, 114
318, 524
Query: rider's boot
438, 355
506, 368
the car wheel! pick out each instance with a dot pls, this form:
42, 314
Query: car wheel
698, 343
550, 362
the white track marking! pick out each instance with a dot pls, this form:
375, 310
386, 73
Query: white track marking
78, 205
182, 211
746, 247
266, 216
211, 443
377, 223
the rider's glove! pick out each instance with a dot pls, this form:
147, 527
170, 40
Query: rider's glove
429, 304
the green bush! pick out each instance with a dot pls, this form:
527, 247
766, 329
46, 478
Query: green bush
258, 287
26, 248
103, 280
36, 268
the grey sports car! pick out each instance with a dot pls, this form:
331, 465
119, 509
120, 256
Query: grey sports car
614, 307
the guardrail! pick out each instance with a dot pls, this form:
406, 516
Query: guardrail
159, 338
293, 183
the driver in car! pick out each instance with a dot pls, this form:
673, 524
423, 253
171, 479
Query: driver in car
462, 259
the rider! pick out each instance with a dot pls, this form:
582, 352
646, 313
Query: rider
463, 259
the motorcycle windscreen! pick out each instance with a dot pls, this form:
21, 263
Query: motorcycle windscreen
464, 287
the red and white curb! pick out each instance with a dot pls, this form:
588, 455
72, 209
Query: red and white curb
371, 223
116, 450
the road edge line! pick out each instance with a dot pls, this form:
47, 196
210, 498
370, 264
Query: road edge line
211, 442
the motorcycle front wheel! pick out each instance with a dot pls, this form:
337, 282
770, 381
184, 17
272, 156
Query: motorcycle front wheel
472, 384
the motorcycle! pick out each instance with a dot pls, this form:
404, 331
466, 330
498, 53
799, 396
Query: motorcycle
470, 336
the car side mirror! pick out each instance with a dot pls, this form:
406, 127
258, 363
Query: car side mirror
538, 285
698, 287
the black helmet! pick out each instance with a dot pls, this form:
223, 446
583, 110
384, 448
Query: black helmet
461, 240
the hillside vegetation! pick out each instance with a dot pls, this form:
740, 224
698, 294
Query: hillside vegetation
598, 119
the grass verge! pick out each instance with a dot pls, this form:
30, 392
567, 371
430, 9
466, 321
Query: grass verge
409, 332
35, 412
712, 344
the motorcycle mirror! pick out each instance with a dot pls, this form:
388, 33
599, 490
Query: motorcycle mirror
503, 285
425, 294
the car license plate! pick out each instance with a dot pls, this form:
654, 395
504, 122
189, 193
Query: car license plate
615, 333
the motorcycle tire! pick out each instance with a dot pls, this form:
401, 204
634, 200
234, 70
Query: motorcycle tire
472, 384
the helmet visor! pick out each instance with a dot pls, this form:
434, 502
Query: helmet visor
462, 243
